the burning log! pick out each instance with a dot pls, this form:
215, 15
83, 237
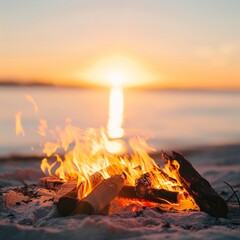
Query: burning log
166, 176
67, 203
67, 187
198, 187
144, 189
67, 196
143, 184
101, 196
153, 195
68, 192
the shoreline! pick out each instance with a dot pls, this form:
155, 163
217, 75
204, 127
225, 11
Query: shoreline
189, 151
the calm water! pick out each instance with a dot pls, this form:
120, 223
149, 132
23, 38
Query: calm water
169, 119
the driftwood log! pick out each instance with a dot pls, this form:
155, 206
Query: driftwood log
198, 187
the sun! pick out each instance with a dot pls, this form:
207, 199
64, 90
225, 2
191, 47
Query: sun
115, 70
116, 78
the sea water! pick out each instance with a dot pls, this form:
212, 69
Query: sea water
166, 118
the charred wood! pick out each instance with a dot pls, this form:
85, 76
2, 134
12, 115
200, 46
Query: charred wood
67, 203
153, 195
197, 186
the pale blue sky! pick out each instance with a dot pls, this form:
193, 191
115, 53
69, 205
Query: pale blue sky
185, 37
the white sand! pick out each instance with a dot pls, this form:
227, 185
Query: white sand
38, 219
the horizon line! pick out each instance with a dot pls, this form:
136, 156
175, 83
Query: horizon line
15, 83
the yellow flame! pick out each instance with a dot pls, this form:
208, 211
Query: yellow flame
89, 155
31, 100
18, 124
93, 155
88, 160
42, 127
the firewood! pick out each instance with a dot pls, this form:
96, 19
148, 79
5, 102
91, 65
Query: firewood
97, 200
67, 203
62, 187
101, 196
165, 195
198, 187
67, 196
66, 188
144, 189
165, 175
153, 195
143, 184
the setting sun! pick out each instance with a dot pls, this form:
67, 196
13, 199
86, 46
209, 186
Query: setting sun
116, 78
116, 70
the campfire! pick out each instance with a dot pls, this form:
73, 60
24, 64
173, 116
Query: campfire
96, 171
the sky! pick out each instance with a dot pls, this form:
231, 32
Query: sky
157, 43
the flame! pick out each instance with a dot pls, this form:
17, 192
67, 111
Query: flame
42, 127
18, 124
91, 155
31, 100
87, 158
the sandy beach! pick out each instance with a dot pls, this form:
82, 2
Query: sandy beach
37, 217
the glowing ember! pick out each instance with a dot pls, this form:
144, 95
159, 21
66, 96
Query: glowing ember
18, 124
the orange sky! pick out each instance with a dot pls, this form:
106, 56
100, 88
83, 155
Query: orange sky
186, 44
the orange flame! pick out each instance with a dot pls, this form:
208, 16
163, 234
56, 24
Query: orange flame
95, 154
86, 154
42, 127
31, 100
18, 124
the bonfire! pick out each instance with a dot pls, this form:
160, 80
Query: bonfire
107, 179
99, 171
